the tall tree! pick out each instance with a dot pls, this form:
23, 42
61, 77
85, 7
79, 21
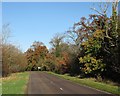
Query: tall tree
36, 55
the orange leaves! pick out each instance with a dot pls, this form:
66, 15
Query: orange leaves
98, 34
36, 54
65, 57
60, 62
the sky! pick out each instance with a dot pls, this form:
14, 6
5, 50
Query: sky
40, 21
119, 7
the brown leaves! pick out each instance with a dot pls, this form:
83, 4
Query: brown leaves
36, 54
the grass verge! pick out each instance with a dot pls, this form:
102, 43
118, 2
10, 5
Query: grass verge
91, 83
16, 83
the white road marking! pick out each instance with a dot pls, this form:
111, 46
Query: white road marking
61, 89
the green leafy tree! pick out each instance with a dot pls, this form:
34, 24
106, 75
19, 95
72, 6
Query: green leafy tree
92, 61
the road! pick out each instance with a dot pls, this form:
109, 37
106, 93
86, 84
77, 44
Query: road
44, 83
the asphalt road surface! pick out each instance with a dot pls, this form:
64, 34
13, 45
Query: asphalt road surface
44, 83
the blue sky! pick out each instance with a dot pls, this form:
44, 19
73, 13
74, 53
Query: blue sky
40, 21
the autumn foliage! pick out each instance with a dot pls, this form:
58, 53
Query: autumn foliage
13, 59
91, 48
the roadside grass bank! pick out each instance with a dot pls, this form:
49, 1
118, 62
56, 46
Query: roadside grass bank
91, 83
16, 83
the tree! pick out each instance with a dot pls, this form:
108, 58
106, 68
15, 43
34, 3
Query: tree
55, 42
36, 55
97, 40
60, 52
13, 60
112, 45
92, 62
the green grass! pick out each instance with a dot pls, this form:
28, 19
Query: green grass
91, 83
16, 83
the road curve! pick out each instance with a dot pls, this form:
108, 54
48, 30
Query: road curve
44, 83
